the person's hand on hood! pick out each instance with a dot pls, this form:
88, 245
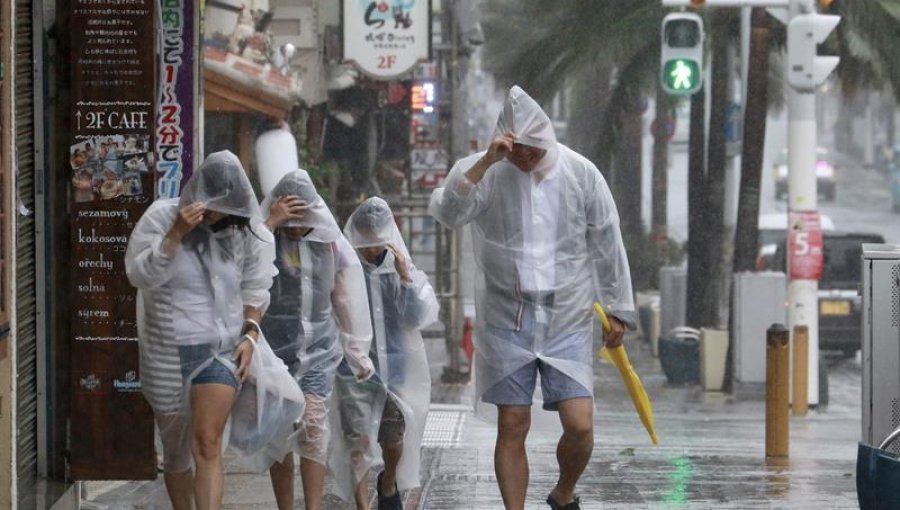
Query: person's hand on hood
501, 146
285, 208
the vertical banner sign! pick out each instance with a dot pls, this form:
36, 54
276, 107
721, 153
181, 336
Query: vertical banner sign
177, 97
805, 246
111, 161
386, 38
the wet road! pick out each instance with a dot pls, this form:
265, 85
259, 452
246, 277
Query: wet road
711, 454
863, 195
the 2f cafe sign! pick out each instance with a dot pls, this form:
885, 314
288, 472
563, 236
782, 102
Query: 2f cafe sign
386, 39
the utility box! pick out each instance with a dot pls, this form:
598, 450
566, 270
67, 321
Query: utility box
295, 24
880, 343
672, 298
713, 354
759, 301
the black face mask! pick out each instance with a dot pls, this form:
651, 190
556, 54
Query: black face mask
230, 221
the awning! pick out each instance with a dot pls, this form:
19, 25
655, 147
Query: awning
233, 83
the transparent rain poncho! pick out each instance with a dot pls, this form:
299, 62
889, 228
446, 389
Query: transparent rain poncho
547, 245
399, 310
319, 312
190, 309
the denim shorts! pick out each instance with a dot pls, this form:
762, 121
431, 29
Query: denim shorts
517, 388
217, 372
316, 381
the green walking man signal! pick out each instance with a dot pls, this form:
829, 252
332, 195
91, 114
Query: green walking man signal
681, 74
682, 53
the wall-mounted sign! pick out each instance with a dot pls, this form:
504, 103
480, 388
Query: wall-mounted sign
423, 97
387, 38
805, 246
111, 162
176, 126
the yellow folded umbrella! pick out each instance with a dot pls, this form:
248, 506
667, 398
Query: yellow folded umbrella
632, 382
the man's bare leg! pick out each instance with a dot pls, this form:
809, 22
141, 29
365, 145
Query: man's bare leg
282, 475
574, 449
510, 459
312, 474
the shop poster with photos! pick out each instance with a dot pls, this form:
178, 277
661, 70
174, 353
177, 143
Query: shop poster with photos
108, 167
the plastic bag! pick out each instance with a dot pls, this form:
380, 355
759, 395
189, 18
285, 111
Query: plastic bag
269, 404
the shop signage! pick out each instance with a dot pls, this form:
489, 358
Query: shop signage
387, 38
111, 162
176, 145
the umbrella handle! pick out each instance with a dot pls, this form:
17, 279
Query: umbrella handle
890, 439
601, 313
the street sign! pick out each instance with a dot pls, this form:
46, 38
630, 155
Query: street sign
805, 245
682, 53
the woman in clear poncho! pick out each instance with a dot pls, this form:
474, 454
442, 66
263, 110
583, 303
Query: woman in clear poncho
547, 245
391, 407
319, 315
203, 265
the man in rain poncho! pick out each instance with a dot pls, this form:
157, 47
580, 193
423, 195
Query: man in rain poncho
203, 265
393, 405
319, 315
547, 244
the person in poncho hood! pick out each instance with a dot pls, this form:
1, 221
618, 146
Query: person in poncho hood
319, 316
203, 265
388, 412
547, 245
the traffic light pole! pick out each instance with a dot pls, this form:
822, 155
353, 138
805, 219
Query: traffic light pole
805, 71
803, 301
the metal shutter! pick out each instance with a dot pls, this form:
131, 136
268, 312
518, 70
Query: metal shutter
25, 335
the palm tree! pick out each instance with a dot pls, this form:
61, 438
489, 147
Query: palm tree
606, 54
603, 52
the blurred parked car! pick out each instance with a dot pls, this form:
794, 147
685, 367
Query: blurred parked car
773, 231
840, 319
826, 168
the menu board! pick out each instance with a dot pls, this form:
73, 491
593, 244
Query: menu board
112, 162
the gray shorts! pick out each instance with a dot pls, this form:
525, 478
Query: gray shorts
517, 388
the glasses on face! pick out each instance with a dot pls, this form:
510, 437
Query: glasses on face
527, 151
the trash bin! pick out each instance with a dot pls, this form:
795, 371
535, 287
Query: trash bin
878, 475
679, 355
713, 353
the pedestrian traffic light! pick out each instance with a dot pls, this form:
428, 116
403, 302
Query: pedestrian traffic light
806, 70
682, 53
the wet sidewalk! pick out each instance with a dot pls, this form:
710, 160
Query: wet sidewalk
711, 454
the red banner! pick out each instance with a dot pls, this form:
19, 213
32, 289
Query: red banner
805, 259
